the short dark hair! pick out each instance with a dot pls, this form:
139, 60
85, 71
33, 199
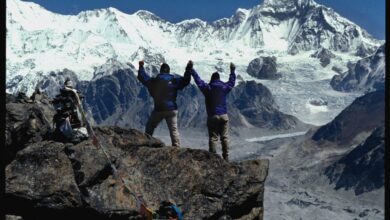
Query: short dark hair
164, 68
214, 76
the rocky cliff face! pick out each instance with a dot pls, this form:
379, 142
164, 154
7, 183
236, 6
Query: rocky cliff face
368, 74
122, 100
52, 180
27, 121
359, 119
252, 104
362, 169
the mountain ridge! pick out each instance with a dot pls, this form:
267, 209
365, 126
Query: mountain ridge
91, 37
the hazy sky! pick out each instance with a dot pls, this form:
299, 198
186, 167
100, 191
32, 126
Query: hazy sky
368, 14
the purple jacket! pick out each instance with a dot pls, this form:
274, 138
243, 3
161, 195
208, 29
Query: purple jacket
215, 93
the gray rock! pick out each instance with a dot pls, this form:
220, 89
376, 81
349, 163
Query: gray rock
363, 50
263, 68
69, 179
337, 69
27, 121
42, 174
293, 50
52, 82
368, 74
253, 103
324, 55
364, 115
362, 169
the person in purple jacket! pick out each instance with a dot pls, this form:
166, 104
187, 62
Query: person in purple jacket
215, 96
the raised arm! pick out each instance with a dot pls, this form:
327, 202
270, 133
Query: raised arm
184, 81
203, 86
232, 77
142, 76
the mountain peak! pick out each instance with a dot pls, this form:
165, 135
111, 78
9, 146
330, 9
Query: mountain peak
288, 2
242, 11
147, 15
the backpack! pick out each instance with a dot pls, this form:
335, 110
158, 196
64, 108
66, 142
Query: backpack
168, 209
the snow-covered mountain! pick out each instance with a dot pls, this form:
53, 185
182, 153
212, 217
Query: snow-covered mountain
368, 74
39, 42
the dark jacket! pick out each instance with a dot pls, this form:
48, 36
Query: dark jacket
215, 93
163, 88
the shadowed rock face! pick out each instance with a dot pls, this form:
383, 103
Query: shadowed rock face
52, 83
362, 169
368, 74
263, 68
364, 115
52, 180
324, 55
121, 100
254, 102
27, 121
363, 50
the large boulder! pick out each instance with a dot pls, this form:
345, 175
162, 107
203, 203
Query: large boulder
324, 55
67, 180
28, 120
263, 68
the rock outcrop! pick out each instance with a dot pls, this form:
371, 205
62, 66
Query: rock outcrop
368, 74
363, 50
53, 180
28, 120
362, 169
324, 55
123, 101
120, 99
263, 68
52, 82
252, 103
359, 119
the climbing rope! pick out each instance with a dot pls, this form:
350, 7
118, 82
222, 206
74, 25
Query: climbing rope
141, 206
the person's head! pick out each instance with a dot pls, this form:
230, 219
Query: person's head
164, 68
68, 83
214, 76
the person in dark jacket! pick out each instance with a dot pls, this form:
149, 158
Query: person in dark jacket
163, 88
217, 119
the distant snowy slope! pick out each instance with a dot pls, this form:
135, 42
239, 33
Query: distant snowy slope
88, 39
39, 42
